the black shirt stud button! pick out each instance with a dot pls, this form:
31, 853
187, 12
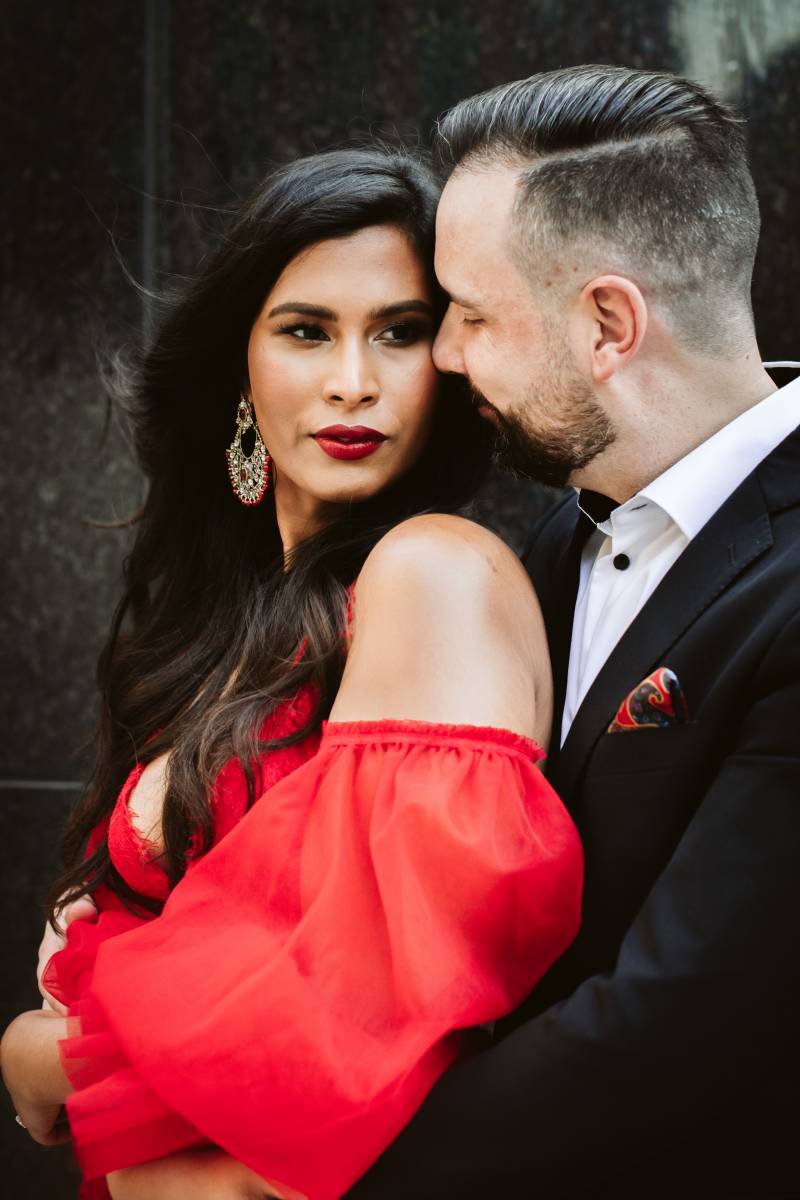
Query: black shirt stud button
621, 562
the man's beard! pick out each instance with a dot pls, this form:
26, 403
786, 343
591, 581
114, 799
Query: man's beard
552, 457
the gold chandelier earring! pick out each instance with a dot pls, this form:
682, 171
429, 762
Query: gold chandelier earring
249, 472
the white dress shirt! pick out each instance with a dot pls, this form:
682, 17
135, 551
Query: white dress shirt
627, 556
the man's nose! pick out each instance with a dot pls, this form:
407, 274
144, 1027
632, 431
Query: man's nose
447, 355
352, 378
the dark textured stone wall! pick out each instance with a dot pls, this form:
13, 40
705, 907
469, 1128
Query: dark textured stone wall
124, 126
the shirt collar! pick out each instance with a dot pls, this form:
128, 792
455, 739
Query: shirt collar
693, 488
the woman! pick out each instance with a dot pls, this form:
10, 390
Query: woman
406, 872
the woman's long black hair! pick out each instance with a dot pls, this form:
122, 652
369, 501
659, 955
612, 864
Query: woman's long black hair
204, 643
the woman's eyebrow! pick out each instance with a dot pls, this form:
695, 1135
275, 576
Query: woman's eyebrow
402, 306
306, 310
327, 314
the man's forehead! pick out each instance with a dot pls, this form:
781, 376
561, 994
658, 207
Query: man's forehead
483, 192
472, 227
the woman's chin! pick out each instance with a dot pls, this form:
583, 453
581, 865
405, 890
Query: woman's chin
335, 487
354, 483
354, 492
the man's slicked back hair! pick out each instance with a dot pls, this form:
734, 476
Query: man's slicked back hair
641, 172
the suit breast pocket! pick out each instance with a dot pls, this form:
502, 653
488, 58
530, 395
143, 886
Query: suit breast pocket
645, 750
638, 794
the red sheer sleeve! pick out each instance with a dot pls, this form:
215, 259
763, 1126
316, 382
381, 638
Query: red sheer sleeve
310, 978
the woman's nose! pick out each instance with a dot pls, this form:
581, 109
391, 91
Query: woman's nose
352, 378
447, 355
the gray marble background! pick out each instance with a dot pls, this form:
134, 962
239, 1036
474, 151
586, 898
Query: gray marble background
125, 125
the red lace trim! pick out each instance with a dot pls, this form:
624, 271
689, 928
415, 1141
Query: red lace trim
148, 846
136, 857
429, 733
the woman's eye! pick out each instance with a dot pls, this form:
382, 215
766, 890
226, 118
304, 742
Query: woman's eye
305, 332
471, 320
403, 333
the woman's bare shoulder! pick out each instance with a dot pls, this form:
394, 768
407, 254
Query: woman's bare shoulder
444, 558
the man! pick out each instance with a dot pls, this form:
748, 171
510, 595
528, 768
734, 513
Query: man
597, 235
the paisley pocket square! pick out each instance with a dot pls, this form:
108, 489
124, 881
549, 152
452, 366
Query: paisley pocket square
658, 701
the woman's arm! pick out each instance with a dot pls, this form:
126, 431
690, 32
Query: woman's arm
191, 1175
34, 1076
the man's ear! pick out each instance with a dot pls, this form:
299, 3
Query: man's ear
617, 313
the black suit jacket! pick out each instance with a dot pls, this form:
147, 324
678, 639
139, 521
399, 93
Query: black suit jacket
658, 1057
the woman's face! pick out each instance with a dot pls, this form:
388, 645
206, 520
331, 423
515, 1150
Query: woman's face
341, 375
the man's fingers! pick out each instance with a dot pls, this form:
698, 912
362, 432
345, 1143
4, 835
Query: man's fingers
82, 909
51, 1005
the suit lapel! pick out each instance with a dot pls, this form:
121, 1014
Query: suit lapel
556, 582
734, 537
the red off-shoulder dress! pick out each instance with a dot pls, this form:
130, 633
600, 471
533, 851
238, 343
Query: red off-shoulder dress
395, 885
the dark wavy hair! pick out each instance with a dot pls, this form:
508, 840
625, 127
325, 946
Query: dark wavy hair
204, 643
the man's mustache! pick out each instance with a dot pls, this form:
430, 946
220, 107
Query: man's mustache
478, 400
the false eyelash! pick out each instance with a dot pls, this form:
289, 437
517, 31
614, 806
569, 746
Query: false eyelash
417, 329
295, 325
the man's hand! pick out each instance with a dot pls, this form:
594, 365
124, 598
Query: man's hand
83, 909
190, 1175
33, 1074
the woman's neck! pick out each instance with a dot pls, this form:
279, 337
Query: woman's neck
299, 515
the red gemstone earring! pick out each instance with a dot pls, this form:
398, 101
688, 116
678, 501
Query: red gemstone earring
249, 472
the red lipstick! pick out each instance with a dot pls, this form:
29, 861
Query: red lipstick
349, 441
